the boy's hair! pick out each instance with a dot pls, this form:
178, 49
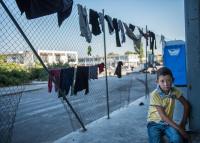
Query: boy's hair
164, 71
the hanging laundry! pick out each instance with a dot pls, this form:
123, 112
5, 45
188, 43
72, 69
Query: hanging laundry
65, 13
145, 35
101, 67
54, 75
137, 44
162, 39
136, 40
66, 80
89, 50
74, 78
38, 8
81, 83
93, 20
115, 25
101, 21
110, 24
23, 5
129, 32
84, 24
132, 27
121, 28
152, 39
118, 70
142, 33
132, 36
93, 72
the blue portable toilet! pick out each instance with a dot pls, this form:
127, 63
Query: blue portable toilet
174, 57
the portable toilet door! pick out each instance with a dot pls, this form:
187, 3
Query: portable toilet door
175, 59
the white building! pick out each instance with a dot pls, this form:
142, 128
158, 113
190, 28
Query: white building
90, 60
27, 58
54, 56
22, 57
129, 61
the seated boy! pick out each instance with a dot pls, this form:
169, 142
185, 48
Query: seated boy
161, 108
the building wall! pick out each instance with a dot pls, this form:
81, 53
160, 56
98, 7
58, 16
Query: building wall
48, 57
128, 60
192, 23
51, 56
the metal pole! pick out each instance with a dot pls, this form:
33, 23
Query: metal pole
146, 80
105, 60
36, 54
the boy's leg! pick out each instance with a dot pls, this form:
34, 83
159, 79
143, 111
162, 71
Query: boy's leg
173, 135
154, 132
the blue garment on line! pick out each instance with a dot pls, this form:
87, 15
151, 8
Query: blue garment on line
81, 83
66, 80
93, 72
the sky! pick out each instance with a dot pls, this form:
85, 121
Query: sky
161, 16
164, 17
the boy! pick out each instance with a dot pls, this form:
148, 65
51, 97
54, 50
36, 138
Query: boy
161, 108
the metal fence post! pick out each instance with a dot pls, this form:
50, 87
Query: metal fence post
105, 60
146, 67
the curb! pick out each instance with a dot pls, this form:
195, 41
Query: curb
25, 90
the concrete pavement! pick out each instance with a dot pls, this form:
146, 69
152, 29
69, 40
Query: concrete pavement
126, 125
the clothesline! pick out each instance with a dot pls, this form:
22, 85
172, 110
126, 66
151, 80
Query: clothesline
63, 8
114, 25
76, 78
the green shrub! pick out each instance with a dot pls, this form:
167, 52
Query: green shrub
12, 74
38, 74
58, 65
15, 74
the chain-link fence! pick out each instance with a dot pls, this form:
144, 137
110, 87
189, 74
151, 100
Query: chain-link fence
62, 47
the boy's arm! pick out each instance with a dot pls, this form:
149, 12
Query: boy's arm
165, 118
186, 107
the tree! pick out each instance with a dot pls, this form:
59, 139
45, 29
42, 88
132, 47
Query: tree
141, 52
3, 58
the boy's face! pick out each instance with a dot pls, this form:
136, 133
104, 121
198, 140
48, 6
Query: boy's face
165, 82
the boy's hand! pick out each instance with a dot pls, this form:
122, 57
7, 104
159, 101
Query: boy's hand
182, 126
183, 133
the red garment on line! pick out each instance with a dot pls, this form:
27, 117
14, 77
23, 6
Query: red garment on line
101, 67
55, 74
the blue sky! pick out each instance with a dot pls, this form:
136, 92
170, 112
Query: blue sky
161, 16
